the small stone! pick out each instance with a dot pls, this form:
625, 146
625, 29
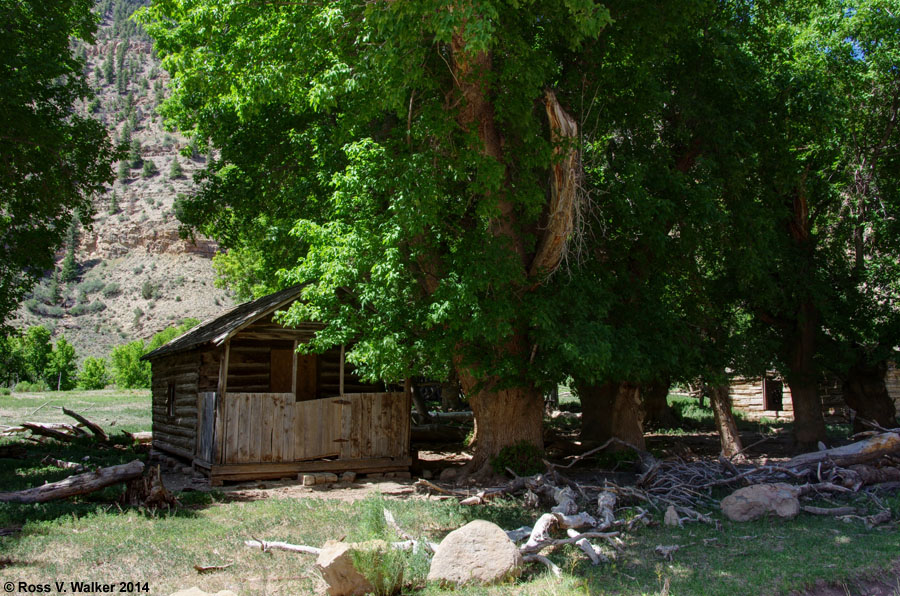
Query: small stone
427, 475
348, 477
447, 475
480, 552
671, 518
308, 479
753, 502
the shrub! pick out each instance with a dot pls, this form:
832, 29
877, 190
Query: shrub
523, 458
29, 387
111, 290
5, 390
90, 286
91, 307
93, 374
386, 568
149, 170
149, 291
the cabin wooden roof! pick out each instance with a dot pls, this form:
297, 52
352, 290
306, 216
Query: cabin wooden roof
223, 328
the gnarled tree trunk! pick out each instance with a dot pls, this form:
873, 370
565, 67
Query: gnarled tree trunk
657, 411
611, 410
864, 391
503, 417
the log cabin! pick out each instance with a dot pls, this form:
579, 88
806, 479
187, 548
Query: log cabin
233, 397
769, 396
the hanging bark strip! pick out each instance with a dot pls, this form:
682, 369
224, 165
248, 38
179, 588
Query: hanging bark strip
564, 201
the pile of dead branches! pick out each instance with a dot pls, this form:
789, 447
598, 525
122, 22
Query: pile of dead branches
68, 432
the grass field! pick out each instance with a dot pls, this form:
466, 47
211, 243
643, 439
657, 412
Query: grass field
92, 538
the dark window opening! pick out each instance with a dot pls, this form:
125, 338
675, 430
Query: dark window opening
773, 394
170, 399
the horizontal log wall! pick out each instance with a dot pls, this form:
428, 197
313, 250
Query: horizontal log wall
178, 430
329, 366
892, 381
747, 397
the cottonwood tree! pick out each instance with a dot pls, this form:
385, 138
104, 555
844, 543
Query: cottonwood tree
829, 289
427, 162
54, 159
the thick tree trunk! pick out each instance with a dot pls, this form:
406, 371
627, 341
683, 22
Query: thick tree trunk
720, 399
864, 391
503, 417
809, 422
611, 410
657, 411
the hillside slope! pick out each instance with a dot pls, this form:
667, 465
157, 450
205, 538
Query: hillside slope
133, 275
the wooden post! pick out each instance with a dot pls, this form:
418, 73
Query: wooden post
220, 405
341, 372
294, 372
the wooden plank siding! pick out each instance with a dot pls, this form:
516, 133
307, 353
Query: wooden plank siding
273, 427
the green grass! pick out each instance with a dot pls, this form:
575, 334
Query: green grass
93, 538
101, 542
114, 410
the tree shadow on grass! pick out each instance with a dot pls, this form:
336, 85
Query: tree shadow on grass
23, 468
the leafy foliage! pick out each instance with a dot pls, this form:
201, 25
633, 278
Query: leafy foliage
129, 372
93, 374
54, 160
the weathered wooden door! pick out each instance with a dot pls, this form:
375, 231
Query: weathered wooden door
206, 425
258, 427
318, 427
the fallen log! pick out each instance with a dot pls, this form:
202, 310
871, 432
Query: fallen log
76, 485
142, 437
436, 433
856, 453
47, 431
92, 426
466, 416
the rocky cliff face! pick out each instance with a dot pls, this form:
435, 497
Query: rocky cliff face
135, 275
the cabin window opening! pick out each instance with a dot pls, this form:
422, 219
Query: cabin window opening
170, 399
773, 394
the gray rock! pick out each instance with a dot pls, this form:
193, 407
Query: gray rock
753, 502
479, 552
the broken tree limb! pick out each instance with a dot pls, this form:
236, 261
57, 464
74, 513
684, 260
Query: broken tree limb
589, 549
536, 558
92, 426
66, 465
47, 431
855, 453
76, 485
266, 546
829, 510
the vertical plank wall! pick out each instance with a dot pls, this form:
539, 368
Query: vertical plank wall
272, 427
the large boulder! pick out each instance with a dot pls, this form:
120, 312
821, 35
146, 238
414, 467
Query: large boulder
753, 502
479, 552
335, 561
